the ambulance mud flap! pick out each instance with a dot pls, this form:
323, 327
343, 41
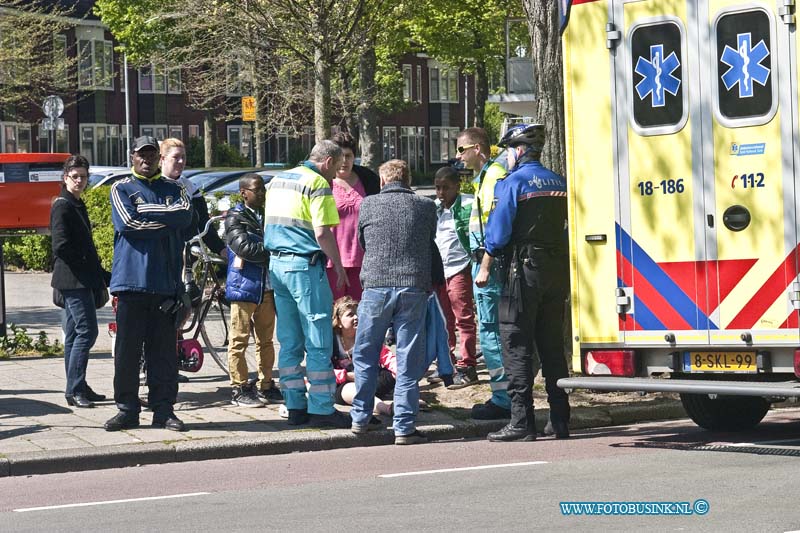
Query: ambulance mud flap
684, 386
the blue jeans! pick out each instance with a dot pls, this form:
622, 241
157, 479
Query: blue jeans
404, 308
80, 331
304, 305
487, 301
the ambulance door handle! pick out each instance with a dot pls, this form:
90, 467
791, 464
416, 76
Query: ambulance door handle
710, 219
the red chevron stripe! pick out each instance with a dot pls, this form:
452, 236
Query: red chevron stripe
767, 294
657, 304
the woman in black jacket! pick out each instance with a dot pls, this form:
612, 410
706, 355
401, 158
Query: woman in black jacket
76, 271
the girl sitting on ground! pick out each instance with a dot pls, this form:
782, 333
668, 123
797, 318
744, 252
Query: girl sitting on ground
345, 323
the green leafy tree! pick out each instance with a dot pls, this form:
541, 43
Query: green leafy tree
468, 35
34, 60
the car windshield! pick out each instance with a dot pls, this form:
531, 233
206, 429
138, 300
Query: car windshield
94, 179
203, 181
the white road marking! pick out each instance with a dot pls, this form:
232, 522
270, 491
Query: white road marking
464, 469
88, 504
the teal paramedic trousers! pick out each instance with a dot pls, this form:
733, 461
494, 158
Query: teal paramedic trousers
304, 304
487, 301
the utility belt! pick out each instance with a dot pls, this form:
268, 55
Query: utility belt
312, 258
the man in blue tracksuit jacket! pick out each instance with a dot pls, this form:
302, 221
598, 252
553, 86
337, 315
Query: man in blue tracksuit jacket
149, 214
528, 229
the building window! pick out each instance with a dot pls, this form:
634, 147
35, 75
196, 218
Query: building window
158, 131
60, 60
419, 83
96, 65
16, 137
389, 143
194, 131
176, 132
308, 137
443, 144
103, 144
61, 144
174, 81
412, 147
443, 85
152, 79
407, 83
237, 81
240, 137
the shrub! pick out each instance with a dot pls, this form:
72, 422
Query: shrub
98, 204
222, 155
30, 252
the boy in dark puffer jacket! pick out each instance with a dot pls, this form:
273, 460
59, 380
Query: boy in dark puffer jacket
250, 293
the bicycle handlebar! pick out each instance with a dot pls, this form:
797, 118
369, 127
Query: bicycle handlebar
198, 239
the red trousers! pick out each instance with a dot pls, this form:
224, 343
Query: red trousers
456, 300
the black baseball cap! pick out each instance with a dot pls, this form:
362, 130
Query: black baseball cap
143, 142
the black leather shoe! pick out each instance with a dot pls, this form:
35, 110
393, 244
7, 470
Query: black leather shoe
172, 423
558, 428
79, 400
489, 411
511, 433
334, 420
298, 417
122, 421
92, 396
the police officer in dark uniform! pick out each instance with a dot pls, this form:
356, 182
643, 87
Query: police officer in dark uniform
527, 232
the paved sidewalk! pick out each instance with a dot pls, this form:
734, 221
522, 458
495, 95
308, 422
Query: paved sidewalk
39, 434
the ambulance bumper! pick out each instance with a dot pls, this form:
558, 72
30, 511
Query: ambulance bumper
683, 386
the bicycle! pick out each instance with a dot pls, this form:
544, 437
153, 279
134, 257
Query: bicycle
210, 309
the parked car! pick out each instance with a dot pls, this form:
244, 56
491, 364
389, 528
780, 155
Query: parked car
219, 198
209, 180
105, 176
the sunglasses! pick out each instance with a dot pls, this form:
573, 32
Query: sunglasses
260, 189
462, 149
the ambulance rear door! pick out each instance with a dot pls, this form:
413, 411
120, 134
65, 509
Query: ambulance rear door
661, 226
749, 159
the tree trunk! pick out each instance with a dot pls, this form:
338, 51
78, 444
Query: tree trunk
349, 114
367, 115
543, 26
481, 93
322, 96
208, 138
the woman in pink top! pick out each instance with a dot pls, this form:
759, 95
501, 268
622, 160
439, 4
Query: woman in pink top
351, 184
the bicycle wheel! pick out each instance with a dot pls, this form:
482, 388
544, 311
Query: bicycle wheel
215, 330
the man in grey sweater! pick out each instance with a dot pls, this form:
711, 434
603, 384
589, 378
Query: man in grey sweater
396, 228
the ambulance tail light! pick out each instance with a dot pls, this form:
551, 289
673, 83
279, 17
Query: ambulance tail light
797, 363
614, 363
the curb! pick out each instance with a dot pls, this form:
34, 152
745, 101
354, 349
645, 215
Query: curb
284, 442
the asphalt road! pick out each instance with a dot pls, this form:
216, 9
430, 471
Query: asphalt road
749, 481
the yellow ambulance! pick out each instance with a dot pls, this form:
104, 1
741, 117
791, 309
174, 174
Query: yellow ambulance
683, 165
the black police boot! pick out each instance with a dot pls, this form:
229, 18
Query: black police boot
556, 427
511, 433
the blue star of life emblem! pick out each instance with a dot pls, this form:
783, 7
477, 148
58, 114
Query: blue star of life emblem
745, 65
657, 76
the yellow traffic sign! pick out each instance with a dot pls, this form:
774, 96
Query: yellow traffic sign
248, 108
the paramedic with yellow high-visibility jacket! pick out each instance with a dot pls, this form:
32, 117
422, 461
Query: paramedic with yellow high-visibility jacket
527, 229
299, 211
473, 151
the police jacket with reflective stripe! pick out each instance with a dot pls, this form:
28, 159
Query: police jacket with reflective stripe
149, 216
531, 208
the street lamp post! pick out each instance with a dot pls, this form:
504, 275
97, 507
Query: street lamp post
127, 111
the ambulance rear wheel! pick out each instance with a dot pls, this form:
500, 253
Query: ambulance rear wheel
725, 413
